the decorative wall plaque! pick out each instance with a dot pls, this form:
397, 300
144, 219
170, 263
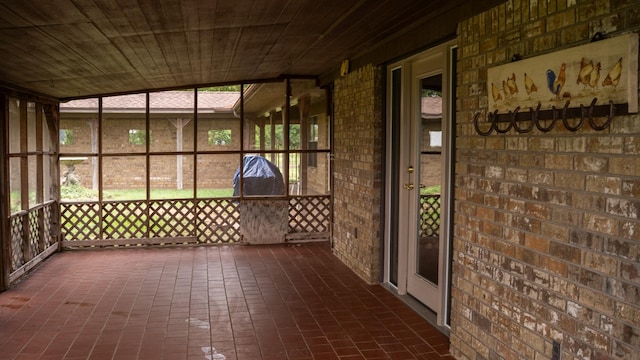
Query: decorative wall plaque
606, 70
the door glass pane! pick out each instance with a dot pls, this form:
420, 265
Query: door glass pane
430, 178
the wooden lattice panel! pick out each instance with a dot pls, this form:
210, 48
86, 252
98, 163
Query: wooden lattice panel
46, 213
31, 235
429, 215
34, 231
17, 229
80, 221
124, 220
172, 218
209, 221
309, 214
218, 221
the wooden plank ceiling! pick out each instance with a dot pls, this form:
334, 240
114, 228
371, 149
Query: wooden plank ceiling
78, 48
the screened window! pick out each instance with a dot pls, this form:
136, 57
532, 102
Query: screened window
138, 137
66, 137
219, 137
192, 143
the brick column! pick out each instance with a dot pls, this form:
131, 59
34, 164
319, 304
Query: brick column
358, 171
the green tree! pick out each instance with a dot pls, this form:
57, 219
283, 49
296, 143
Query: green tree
220, 137
138, 137
221, 88
294, 137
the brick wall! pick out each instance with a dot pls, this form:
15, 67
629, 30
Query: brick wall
214, 171
358, 142
318, 177
547, 235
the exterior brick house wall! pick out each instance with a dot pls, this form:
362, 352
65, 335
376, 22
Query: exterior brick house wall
318, 176
214, 171
358, 172
547, 230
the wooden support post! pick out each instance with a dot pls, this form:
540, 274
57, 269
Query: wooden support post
303, 106
261, 122
40, 176
286, 123
5, 238
93, 125
249, 132
53, 124
24, 180
272, 134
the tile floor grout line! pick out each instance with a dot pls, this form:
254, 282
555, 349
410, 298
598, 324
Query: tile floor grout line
268, 302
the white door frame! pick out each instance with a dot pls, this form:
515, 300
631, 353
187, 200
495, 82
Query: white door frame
409, 86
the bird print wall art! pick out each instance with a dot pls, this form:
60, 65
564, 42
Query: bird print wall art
529, 85
606, 70
556, 83
614, 75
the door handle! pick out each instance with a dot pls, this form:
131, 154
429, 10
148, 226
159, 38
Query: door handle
409, 186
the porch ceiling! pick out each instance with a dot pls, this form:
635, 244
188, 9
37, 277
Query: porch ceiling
79, 48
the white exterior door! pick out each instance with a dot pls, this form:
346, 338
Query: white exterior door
423, 179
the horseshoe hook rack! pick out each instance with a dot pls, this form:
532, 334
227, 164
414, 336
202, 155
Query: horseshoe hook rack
545, 120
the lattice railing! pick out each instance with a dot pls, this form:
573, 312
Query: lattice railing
205, 220
218, 221
429, 215
125, 220
47, 214
31, 234
172, 219
309, 214
80, 221
17, 231
34, 231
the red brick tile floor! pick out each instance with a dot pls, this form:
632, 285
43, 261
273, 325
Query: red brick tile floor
211, 303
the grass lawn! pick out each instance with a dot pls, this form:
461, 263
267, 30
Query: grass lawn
78, 193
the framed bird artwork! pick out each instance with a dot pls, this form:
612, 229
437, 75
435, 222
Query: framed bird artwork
606, 70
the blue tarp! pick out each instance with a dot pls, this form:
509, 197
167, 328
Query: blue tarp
260, 177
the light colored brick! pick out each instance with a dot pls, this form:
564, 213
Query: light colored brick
564, 246
357, 174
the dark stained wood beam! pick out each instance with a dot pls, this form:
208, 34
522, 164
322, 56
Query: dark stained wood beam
5, 237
